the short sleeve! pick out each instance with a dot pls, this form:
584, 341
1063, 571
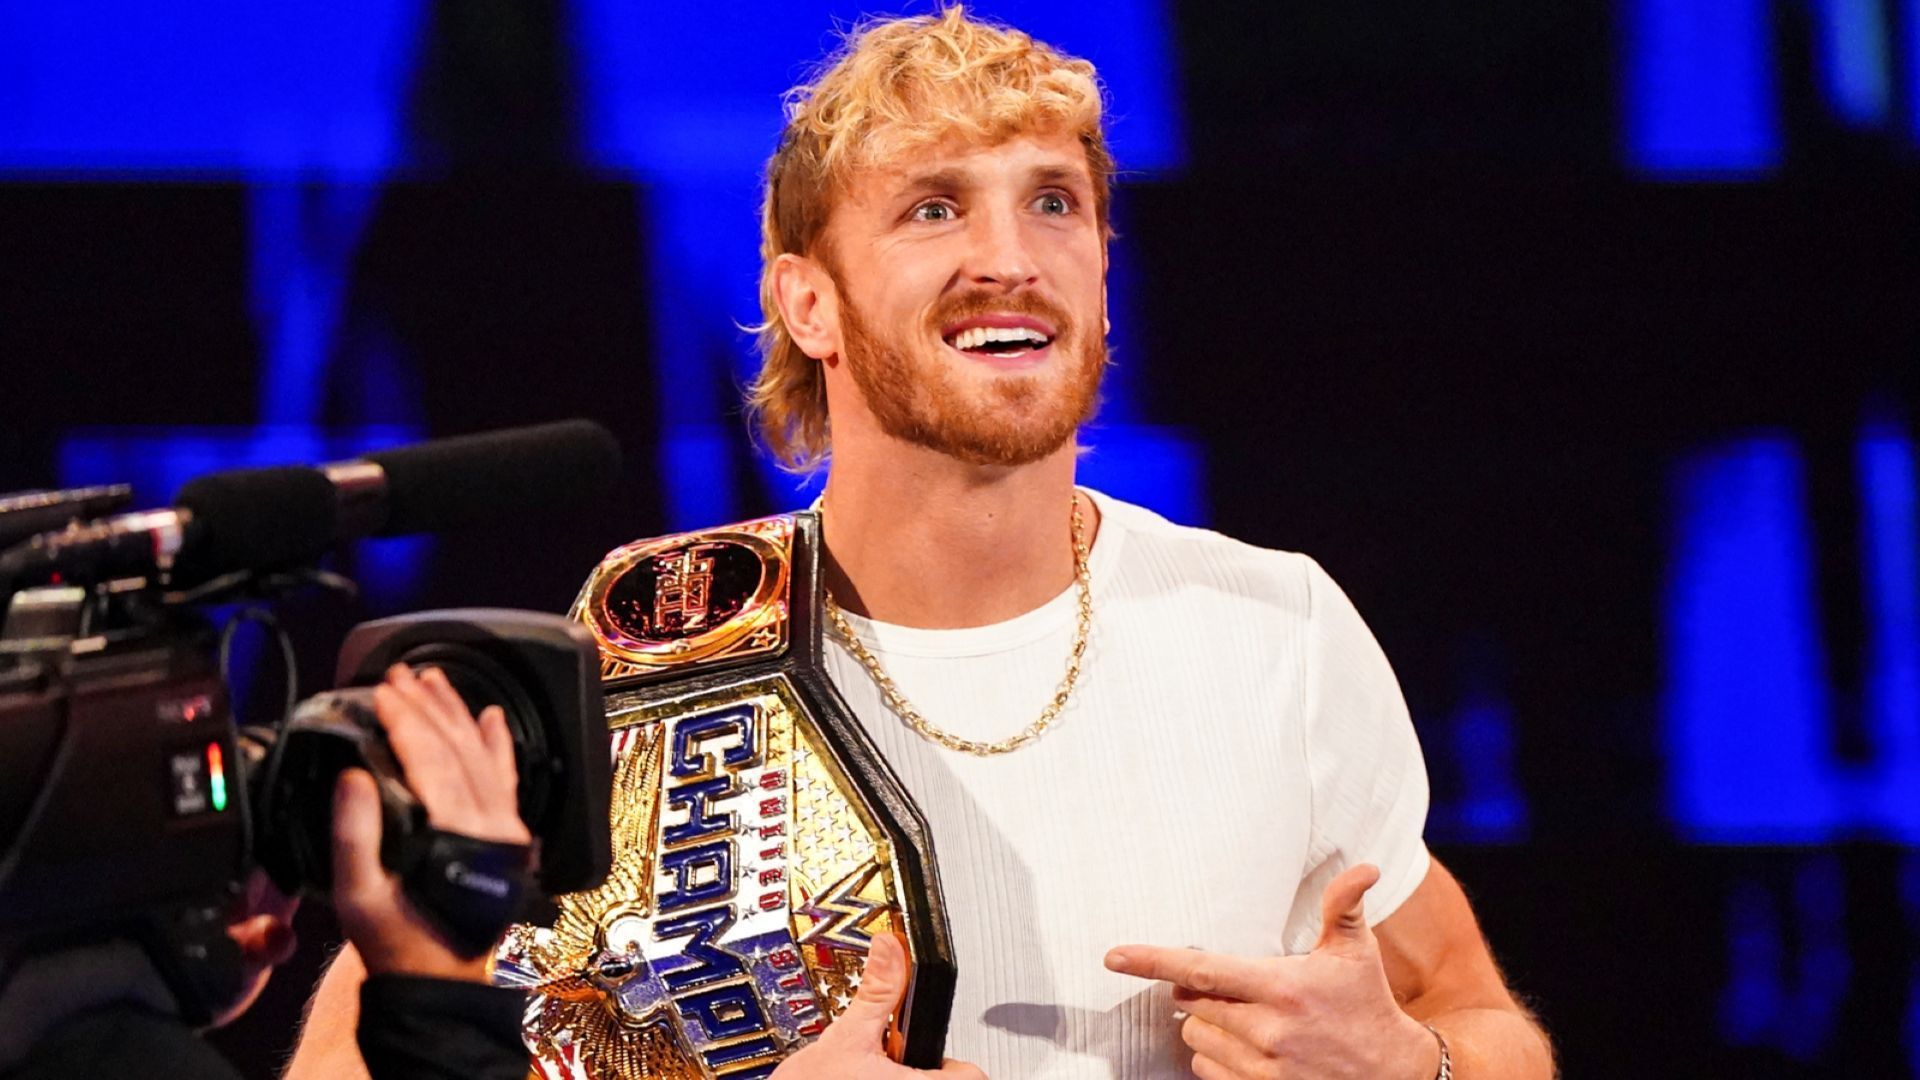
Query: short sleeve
1369, 780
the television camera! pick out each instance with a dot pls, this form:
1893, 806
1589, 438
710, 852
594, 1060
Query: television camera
132, 805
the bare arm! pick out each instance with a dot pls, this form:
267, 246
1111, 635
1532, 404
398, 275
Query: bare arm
1443, 974
327, 1049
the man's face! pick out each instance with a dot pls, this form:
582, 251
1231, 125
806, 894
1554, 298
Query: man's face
972, 297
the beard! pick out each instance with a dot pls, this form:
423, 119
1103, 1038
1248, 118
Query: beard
1015, 419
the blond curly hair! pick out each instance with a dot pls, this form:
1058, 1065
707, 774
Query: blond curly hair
894, 86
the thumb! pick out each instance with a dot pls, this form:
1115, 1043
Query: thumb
356, 834
883, 984
1343, 919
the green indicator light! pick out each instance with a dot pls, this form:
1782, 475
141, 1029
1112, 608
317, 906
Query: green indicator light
217, 782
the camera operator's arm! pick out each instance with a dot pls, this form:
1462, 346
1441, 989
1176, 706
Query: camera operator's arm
326, 1049
423, 1009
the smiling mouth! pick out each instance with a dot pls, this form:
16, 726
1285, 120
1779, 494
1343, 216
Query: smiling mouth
1003, 343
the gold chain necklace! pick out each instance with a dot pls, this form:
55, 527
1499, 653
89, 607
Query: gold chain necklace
904, 709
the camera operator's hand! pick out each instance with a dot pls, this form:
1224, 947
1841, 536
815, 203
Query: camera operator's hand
463, 773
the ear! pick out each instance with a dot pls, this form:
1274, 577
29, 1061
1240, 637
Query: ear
809, 305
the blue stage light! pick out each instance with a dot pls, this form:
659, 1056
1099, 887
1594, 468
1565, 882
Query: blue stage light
1909, 22
1747, 702
1756, 955
1749, 709
1699, 83
1787, 982
1890, 698
1851, 58
696, 467
1161, 469
216, 88
1476, 746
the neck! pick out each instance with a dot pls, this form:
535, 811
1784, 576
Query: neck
916, 538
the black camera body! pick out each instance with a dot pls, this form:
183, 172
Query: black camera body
123, 812
131, 806
543, 670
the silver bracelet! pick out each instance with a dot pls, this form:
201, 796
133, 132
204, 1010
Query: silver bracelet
1446, 1058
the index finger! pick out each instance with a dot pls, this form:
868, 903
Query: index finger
1208, 973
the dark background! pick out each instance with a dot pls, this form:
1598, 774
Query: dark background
1424, 316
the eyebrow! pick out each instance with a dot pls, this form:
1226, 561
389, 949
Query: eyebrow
957, 179
1058, 174
938, 180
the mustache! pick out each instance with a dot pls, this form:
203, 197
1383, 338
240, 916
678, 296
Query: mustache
967, 305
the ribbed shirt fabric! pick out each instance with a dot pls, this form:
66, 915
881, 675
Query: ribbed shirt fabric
1236, 740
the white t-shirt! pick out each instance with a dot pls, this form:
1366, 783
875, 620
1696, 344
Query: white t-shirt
1236, 740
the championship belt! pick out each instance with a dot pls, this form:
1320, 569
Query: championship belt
759, 839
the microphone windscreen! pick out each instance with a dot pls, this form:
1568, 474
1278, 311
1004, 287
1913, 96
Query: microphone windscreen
246, 518
496, 475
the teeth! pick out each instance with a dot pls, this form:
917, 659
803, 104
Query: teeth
977, 336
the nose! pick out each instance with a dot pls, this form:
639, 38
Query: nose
999, 256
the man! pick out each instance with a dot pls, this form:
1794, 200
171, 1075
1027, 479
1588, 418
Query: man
1125, 735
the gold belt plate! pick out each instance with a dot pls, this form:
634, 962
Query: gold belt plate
759, 842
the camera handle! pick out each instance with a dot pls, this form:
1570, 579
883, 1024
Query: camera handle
469, 889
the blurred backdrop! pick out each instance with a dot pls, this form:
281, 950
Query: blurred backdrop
1578, 340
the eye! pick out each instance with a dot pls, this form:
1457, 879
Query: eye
931, 211
1053, 203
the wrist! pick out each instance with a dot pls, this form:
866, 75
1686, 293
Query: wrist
430, 965
1443, 1055
1423, 1054
419, 954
